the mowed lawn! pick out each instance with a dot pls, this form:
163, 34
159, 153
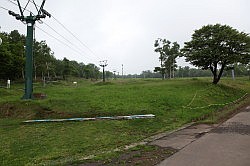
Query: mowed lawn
64, 143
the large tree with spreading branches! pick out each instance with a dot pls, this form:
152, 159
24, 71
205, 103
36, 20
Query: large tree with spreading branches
217, 47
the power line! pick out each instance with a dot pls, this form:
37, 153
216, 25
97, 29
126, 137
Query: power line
53, 36
62, 26
80, 50
72, 34
25, 9
35, 6
61, 42
63, 37
4, 8
11, 2
26, 5
18, 6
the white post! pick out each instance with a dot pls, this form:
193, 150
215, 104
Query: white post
44, 81
8, 84
233, 77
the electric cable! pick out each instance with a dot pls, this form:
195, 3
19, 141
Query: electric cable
26, 5
11, 1
35, 5
71, 33
74, 36
62, 42
64, 37
18, 6
4, 8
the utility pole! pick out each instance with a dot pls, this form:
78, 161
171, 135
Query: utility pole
122, 70
114, 74
30, 21
103, 64
0, 38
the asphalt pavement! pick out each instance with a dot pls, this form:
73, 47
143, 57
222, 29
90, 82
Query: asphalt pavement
227, 144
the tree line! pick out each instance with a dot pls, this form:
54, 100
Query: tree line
12, 55
214, 49
186, 71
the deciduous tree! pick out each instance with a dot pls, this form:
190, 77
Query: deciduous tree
217, 47
168, 54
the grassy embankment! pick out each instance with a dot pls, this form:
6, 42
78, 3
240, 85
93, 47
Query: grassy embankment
71, 142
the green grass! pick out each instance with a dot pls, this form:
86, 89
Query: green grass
71, 142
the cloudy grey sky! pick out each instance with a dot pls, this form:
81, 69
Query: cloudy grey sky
124, 31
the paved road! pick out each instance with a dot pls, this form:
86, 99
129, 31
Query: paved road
225, 145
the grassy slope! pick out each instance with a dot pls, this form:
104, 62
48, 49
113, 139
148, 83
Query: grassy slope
61, 143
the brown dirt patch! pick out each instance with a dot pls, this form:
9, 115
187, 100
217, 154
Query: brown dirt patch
27, 110
151, 156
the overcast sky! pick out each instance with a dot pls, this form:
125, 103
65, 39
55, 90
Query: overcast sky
124, 31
